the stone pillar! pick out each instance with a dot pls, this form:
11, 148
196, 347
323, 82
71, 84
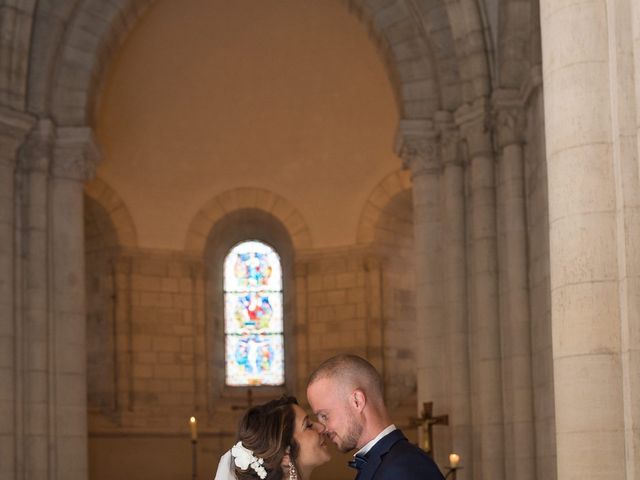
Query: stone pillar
584, 255
13, 128
624, 122
417, 145
635, 34
628, 177
515, 322
35, 158
74, 159
483, 315
455, 292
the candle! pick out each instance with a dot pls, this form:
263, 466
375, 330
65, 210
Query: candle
454, 460
194, 429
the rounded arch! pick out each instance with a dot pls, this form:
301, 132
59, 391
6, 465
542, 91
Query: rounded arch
116, 210
230, 229
242, 199
435, 53
519, 48
388, 188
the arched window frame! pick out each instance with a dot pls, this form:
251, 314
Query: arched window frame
257, 284
230, 230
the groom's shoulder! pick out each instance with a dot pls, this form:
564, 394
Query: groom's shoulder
403, 448
406, 460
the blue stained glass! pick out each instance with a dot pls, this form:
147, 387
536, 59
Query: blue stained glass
255, 360
253, 312
253, 316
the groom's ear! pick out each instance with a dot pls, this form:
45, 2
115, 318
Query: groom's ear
358, 399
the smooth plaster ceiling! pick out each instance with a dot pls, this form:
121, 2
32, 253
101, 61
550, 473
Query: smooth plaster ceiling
210, 95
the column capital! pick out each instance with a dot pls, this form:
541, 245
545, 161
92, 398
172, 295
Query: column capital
14, 126
417, 144
509, 117
531, 83
449, 138
36, 152
75, 153
474, 121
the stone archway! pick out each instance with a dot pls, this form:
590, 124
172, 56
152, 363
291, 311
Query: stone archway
434, 50
116, 210
243, 198
393, 184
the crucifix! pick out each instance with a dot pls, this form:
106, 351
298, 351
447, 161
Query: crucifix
249, 402
425, 424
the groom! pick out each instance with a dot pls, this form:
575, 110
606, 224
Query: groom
345, 393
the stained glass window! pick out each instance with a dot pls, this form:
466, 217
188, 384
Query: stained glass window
254, 340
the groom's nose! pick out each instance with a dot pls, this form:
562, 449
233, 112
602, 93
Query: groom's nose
318, 427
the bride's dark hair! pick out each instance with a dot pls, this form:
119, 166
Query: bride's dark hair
267, 430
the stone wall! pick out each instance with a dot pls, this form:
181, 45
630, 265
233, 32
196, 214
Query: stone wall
154, 353
100, 244
394, 242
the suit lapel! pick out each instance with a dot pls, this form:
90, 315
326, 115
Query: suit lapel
374, 456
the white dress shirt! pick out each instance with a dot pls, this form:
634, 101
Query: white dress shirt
369, 445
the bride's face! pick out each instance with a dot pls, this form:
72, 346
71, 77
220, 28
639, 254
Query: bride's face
313, 449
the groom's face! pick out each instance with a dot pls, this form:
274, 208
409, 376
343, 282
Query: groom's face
330, 403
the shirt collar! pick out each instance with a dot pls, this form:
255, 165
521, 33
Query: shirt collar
369, 445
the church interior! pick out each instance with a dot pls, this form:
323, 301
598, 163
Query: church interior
448, 188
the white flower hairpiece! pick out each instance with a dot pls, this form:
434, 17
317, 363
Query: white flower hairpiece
244, 458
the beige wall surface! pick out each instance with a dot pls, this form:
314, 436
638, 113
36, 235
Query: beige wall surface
207, 96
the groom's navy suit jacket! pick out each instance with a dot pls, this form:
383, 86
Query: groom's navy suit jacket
394, 458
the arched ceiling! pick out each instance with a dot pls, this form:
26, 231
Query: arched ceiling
207, 96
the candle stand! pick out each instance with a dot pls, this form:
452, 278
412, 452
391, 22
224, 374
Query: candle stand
193, 426
452, 473
454, 466
194, 459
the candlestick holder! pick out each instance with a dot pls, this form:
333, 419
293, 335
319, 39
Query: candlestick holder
452, 472
194, 459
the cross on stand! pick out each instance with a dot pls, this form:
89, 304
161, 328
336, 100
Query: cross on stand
249, 402
425, 424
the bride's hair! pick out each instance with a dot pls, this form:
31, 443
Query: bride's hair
267, 430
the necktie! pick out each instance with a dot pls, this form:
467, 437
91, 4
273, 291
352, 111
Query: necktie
358, 462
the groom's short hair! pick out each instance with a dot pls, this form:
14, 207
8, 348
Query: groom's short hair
353, 372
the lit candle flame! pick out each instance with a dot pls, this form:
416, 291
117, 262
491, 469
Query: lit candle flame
193, 425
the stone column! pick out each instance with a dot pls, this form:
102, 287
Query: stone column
484, 316
35, 158
635, 34
417, 145
624, 122
631, 282
13, 128
514, 295
455, 292
74, 159
584, 255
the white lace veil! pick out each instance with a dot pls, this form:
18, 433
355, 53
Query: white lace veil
225, 468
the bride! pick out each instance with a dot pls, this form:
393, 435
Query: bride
276, 440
